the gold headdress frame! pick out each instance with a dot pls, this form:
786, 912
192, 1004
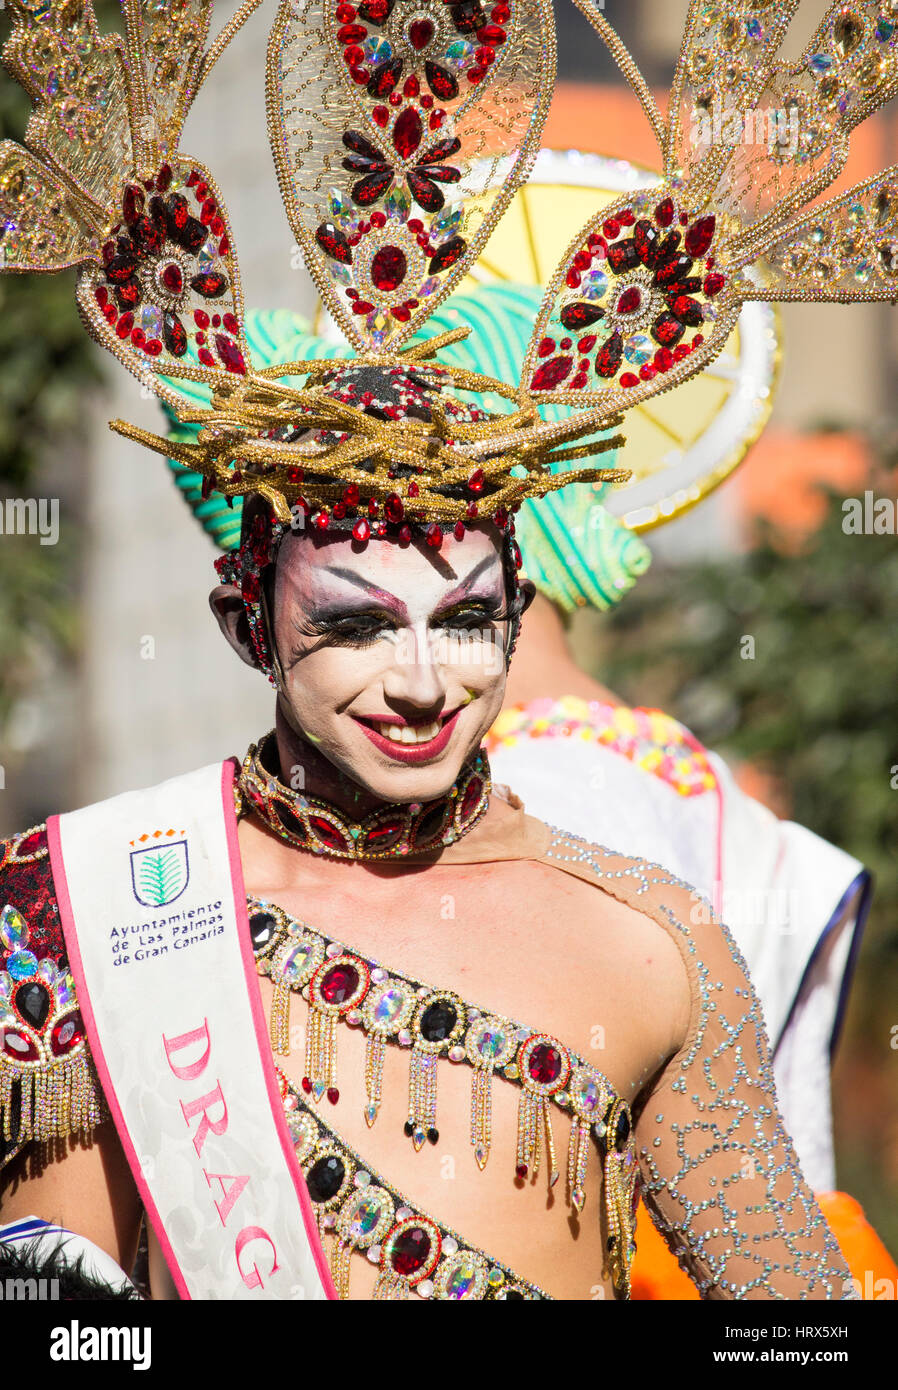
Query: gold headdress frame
400, 131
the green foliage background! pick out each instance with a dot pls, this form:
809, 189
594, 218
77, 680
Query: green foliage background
816, 706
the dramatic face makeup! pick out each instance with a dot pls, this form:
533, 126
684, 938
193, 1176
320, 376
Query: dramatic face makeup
393, 655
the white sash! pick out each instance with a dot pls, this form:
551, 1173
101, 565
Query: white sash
153, 906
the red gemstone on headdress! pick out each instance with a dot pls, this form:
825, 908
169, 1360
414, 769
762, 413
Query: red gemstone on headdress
420, 33
458, 530
230, 354
101, 295
407, 133
405, 534
629, 301
124, 325
434, 535
132, 202
172, 277
714, 284
581, 314
700, 235
629, 379
333, 1094
361, 530
492, 34
664, 212
544, 1064
500, 14
611, 228
687, 310
345, 13
551, 373
663, 359
471, 511
351, 33
353, 55
388, 268
442, 82
381, 116
667, 330
622, 256
520, 1170
475, 75
476, 481
321, 520
339, 510
587, 343
154, 347
307, 1084
610, 356
413, 489
394, 510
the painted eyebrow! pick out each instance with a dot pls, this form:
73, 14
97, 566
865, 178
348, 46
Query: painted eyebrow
392, 601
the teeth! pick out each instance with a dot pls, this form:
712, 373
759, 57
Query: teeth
409, 733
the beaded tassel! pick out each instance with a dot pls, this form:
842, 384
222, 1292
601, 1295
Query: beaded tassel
577, 1157
341, 1265
321, 1054
482, 1113
375, 1048
422, 1098
390, 1287
533, 1119
279, 1018
54, 1102
621, 1186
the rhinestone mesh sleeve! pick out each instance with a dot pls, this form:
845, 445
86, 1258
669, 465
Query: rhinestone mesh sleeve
721, 1178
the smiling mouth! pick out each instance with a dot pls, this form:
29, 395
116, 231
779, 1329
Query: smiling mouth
400, 736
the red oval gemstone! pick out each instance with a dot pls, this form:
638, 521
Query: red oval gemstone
434, 535
210, 284
407, 133
410, 1251
66, 1033
551, 373
18, 1046
420, 33
544, 1064
388, 268
664, 212
351, 33
491, 34
714, 283
339, 983
172, 277
323, 828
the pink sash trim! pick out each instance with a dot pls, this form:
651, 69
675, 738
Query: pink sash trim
67, 918
228, 771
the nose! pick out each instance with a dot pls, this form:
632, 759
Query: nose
415, 677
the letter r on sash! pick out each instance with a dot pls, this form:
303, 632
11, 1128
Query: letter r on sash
201, 1107
188, 1071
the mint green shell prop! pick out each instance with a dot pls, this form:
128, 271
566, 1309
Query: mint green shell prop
574, 550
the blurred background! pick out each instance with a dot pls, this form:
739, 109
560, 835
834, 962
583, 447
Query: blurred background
113, 674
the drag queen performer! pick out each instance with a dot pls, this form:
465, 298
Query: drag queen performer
441, 974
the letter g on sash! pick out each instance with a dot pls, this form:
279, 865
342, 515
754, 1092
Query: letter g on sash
252, 1278
188, 1071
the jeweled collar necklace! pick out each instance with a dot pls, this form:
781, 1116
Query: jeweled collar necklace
393, 831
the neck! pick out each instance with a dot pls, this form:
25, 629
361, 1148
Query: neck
303, 768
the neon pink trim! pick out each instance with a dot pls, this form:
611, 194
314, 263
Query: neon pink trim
718, 867
249, 966
70, 932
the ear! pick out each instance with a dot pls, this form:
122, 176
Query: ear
528, 594
226, 602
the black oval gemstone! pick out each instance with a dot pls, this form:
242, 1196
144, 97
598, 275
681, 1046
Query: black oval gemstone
622, 1129
262, 927
513, 1295
325, 1178
433, 1135
409, 1128
33, 1003
438, 1020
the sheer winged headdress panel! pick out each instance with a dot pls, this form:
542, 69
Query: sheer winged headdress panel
720, 1176
749, 142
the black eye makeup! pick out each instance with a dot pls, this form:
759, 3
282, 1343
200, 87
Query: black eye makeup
362, 627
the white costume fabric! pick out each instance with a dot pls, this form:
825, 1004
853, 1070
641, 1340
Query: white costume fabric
640, 783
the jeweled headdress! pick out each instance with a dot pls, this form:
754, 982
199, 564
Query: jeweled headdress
400, 130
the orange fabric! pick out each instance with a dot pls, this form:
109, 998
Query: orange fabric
657, 1276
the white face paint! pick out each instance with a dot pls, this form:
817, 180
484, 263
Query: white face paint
393, 655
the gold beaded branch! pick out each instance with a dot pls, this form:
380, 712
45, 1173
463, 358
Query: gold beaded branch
360, 455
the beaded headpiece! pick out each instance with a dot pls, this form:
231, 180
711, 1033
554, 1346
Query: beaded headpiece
400, 131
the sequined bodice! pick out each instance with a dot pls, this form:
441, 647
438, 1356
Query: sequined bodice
342, 986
